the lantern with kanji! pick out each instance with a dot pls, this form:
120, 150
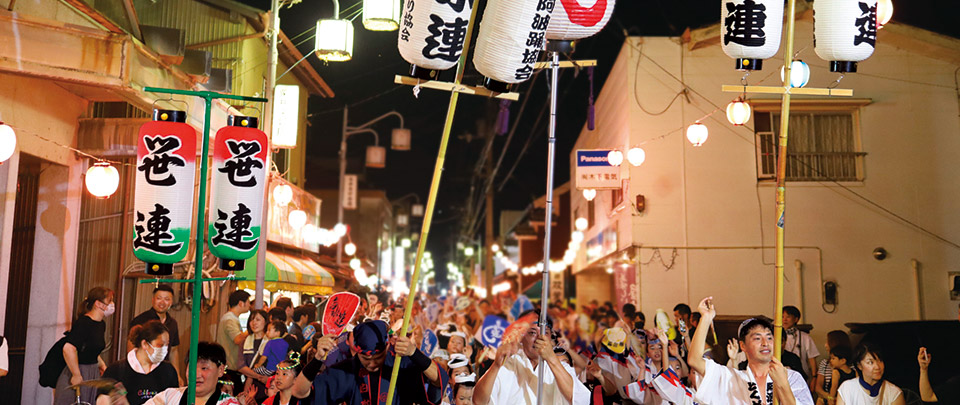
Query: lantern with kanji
512, 35
571, 19
236, 192
750, 30
845, 32
163, 201
432, 34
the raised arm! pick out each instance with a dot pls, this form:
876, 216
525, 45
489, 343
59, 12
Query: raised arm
926, 390
304, 381
699, 341
484, 388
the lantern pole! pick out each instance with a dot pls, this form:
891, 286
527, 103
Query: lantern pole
548, 215
781, 177
208, 97
268, 126
432, 200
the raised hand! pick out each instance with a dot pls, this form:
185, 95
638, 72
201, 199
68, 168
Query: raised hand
923, 358
778, 373
505, 350
544, 346
324, 346
706, 309
733, 348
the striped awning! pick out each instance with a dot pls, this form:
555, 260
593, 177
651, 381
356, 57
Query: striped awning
288, 273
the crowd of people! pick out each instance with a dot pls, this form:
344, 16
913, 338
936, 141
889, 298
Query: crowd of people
465, 350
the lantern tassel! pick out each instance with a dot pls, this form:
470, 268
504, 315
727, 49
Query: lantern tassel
591, 110
503, 117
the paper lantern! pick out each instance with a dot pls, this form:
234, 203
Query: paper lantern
799, 73
8, 142
845, 32
334, 40
697, 134
576, 236
400, 139
282, 195
511, 37
238, 177
376, 157
574, 19
738, 112
636, 156
432, 34
102, 179
468, 251
405, 243
350, 249
356, 265
297, 219
750, 30
163, 201
581, 223
339, 230
615, 157
589, 194
381, 15
884, 12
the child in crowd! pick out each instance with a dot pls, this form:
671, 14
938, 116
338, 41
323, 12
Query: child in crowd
275, 351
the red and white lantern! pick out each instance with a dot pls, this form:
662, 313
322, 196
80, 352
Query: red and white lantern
512, 35
163, 201
750, 30
845, 32
432, 34
238, 177
576, 19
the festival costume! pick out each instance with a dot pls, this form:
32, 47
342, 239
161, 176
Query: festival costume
854, 392
724, 385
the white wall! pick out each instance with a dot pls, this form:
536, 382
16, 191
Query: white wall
710, 197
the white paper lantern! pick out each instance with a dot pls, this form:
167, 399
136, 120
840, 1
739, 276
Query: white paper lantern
884, 12
738, 112
615, 157
636, 156
845, 32
750, 30
102, 179
282, 195
697, 134
511, 37
468, 251
432, 34
581, 224
576, 19
334, 40
405, 242
350, 249
400, 139
8, 142
339, 230
381, 15
356, 265
376, 157
589, 194
297, 219
576, 236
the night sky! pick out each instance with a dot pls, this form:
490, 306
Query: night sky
366, 84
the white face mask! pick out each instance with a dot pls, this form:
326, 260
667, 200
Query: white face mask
110, 310
158, 354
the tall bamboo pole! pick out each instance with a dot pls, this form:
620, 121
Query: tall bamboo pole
432, 200
781, 177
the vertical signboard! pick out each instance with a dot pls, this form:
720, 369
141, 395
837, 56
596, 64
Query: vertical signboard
286, 110
350, 192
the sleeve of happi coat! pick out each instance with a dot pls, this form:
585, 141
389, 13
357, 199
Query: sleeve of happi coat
581, 395
715, 388
333, 386
800, 389
671, 389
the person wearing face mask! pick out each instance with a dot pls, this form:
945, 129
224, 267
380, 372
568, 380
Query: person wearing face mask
162, 300
81, 352
144, 373
211, 366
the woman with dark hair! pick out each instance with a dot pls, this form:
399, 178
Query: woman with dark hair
144, 373
81, 352
211, 366
287, 372
251, 348
870, 387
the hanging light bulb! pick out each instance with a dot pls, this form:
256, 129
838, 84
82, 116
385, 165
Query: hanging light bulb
334, 40
615, 157
884, 12
297, 219
405, 243
609, 270
350, 249
636, 156
340, 230
355, 264
495, 248
282, 195
468, 251
697, 134
581, 224
589, 194
799, 73
8, 142
738, 112
102, 180
576, 236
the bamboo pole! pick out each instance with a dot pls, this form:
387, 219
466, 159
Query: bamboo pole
781, 178
432, 201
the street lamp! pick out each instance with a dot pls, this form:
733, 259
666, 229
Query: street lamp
347, 132
334, 37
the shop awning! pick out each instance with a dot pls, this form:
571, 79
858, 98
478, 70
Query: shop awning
288, 273
533, 292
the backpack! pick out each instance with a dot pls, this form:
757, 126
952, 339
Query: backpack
53, 364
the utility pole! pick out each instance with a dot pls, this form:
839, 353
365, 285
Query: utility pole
274, 35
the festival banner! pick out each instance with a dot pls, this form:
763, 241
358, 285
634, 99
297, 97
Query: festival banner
163, 200
341, 307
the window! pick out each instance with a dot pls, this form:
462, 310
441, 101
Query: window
616, 197
823, 144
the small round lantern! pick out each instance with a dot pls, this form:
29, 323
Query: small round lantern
297, 219
581, 224
339, 230
884, 12
589, 194
615, 157
102, 180
799, 73
350, 249
636, 156
697, 134
8, 142
282, 195
738, 112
